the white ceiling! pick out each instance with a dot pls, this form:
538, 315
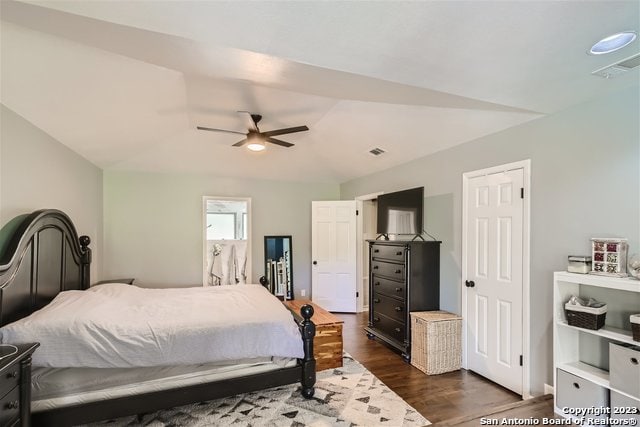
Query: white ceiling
125, 83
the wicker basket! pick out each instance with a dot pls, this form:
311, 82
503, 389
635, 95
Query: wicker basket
436, 341
635, 326
585, 317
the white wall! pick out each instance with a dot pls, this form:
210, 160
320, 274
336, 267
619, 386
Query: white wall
38, 172
153, 224
585, 183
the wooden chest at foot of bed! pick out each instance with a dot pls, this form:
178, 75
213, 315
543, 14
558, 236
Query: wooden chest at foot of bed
327, 344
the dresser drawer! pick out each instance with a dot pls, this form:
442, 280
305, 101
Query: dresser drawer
389, 327
392, 253
389, 306
10, 378
393, 271
10, 407
389, 287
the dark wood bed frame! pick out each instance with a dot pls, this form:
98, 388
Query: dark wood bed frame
42, 255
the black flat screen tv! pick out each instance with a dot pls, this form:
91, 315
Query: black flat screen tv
401, 212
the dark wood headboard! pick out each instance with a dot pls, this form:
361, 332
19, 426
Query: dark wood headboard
40, 256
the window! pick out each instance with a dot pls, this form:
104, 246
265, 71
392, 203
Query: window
245, 226
221, 226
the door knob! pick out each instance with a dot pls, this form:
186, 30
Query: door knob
469, 283
398, 308
376, 300
315, 262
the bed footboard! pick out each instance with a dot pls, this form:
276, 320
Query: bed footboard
308, 331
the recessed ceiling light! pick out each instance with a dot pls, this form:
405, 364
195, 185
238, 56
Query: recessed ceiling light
613, 42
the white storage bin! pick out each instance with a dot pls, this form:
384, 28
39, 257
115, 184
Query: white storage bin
624, 368
624, 408
576, 392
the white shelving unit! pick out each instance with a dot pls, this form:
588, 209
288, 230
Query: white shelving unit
566, 339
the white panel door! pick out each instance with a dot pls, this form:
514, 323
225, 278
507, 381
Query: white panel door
494, 284
333, 251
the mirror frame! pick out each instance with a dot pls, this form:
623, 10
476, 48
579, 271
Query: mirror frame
290, 237
203, 227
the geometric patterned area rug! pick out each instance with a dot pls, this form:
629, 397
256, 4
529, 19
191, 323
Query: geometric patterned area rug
346, 396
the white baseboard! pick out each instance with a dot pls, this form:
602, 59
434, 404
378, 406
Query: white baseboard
365, 308
548, 389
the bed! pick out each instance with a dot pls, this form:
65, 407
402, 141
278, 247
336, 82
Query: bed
41, 255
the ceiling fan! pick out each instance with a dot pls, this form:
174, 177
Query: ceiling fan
257, 140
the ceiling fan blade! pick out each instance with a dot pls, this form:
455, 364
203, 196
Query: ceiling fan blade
279, 142
285, 131
240, 143
219, 130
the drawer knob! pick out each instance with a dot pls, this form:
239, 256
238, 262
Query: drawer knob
398, 289
13, 405
376, 319
13, 374
398, 271
576, 385
634, 360
375, 267
399, 253
376, 251
377, 283
398, 308
376, 300
397, 330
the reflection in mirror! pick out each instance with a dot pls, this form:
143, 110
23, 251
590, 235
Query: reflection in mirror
227, 230
278, 266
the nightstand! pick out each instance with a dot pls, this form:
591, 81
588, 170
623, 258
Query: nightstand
15, 387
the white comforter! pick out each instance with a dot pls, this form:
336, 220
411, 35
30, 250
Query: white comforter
120, 326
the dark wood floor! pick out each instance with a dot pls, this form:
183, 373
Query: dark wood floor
461, 397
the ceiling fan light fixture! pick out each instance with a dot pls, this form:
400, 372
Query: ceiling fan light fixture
613, 42
256, 143
256, 146
255, 139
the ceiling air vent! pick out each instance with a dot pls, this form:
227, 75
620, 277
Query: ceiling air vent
614, 70
377, 151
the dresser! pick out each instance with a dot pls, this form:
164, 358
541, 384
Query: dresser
15, 386
403, 277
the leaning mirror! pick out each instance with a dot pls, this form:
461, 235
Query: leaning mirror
227, 237
278, 272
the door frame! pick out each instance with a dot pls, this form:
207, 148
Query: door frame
525, 165
360, 303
